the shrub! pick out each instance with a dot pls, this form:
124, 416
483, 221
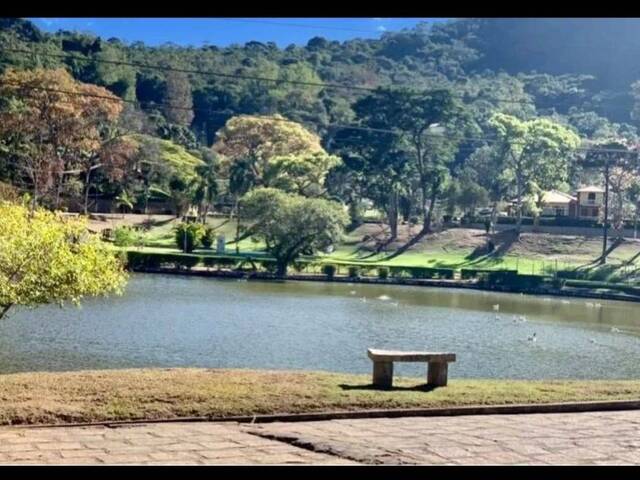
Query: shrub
558, 282
209, 262
269, 265
383, 273
300, 266
526, 282
188, 236
188, 261
107, 235
425, 272
329, 270
354, 272
226, 262
136, 260
468, 273
399, 272
124, 236
208, 237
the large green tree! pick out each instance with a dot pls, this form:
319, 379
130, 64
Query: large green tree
429, 125
291, 224
48, 259
534, 153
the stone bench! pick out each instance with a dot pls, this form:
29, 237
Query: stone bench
383, 365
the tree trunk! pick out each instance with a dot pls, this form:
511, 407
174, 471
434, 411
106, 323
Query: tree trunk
605, 226
87, 187
59, 192
519, 202
429, 214
392, 215
4, 309
494, 216
426, 212
237, 227
281, 267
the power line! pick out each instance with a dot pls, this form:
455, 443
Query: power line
243, 77
284, 120
300, 25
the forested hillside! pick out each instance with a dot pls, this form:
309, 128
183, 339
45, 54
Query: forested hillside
581, 76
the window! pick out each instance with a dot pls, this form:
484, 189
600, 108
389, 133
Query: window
559, 212
591, 197
584, 212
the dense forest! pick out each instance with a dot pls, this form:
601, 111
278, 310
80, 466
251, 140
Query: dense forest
487, 77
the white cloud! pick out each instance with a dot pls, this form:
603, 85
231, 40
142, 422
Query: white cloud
381, 28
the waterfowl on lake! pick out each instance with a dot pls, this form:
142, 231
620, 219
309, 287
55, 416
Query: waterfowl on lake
532, 338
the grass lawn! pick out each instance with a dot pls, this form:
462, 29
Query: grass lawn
533, 254
38, 398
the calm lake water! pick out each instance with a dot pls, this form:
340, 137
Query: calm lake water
172, 321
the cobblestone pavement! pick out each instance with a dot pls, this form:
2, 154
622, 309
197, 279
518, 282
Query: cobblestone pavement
599, 438
168, 443
594, 438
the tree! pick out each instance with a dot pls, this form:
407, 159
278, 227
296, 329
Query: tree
47, 259
534, 152
52, 123
206, 184
485, 167
165, 168
610, 154
178, 100
188, 236
303, 173
292, 224
258, 141
379, 169
261, 151
417, 116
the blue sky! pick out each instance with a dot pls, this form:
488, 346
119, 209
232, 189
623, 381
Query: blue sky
226, 31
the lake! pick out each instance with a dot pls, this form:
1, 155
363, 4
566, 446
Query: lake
179, 321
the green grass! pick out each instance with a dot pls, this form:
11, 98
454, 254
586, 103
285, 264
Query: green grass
527, 259
37, 398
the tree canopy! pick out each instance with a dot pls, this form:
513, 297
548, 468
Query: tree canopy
48, 259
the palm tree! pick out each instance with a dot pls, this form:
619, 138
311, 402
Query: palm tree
205, 186
241, 179
124, 200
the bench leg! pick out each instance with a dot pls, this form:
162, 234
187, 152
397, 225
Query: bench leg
437, 374
383, 374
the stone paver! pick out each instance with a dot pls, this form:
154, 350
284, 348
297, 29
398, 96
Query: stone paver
169, 443
592, 438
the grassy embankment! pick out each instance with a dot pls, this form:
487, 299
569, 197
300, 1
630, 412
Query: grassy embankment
111, 395
454, 248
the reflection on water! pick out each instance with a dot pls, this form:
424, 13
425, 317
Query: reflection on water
165, 321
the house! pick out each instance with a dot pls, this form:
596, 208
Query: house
558, 204
590, 201
554, 204
586, 203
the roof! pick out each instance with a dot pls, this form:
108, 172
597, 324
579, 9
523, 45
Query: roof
554, 196
590, 188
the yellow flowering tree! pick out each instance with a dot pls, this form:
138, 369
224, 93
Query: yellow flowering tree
45, 258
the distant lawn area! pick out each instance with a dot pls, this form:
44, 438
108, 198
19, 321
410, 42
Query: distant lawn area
111, 395
453, 248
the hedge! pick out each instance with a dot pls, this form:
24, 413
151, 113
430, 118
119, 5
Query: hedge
421, 272
468, 273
